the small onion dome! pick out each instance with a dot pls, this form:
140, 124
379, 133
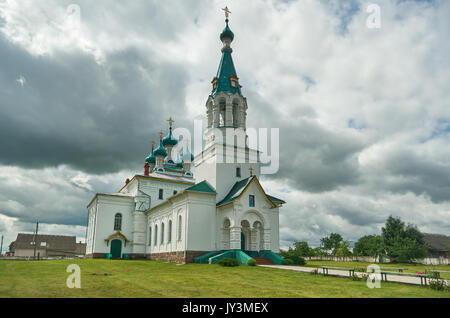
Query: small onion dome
187, 156
169, 140
227, 33
179, 164
151, 159
160, 151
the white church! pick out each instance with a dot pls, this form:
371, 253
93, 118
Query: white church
193, 209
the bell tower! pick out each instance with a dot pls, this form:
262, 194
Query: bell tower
226, 157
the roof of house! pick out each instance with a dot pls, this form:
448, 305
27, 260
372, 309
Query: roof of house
437, 242
203, 186
53, 242
239, 188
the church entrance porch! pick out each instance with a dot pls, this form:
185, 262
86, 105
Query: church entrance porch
249, 236
116, 248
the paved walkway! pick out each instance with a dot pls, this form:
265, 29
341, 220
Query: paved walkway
341, 273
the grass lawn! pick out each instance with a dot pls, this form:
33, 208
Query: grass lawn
411, 268
157, 279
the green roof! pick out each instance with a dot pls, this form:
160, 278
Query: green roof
275, 200
239, 187
203, 186
236, 190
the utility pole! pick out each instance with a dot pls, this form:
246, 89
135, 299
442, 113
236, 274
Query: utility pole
1, 247
34, 239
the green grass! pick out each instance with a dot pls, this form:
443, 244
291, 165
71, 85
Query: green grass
411, 268
44, 279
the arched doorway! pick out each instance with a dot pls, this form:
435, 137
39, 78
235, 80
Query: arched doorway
116, 248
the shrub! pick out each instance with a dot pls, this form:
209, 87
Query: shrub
228, 262
297, 260
251, 262
288, 261
437, 283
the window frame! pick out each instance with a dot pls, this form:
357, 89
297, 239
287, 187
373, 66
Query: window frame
251, 201
118, 222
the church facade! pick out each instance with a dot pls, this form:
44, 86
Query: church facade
181, 209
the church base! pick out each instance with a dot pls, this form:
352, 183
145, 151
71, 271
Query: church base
176, 257
96, 255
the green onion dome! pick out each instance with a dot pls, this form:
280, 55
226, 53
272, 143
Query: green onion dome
169, 140
227, 33
160, 151
151, 159
179, 164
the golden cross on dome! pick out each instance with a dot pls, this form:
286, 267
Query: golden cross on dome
251, 171
227, 12
171, 121
161, 134
153, 144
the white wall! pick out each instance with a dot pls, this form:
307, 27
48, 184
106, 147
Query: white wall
107, 207
201, 222
222, 176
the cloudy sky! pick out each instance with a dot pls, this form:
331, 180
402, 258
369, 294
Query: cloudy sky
364, 113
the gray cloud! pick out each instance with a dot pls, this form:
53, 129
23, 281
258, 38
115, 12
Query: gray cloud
97, 118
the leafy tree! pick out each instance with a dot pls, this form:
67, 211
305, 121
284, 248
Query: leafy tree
343, 249
302, 249
369, 245
332, 242
319, 251
402, 243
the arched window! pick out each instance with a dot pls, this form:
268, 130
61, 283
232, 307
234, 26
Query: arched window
162, 234
150, 236
179, 227
170, 231
156, 234
118, 222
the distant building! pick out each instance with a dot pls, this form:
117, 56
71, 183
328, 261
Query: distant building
47, 246
438, 244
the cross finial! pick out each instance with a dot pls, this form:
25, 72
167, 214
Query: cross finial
161, 134
171, 121
251, 171
227, 12
153, 144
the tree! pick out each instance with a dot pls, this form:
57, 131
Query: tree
302, 249
332, 242
402, 243
343, 249
369, 245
